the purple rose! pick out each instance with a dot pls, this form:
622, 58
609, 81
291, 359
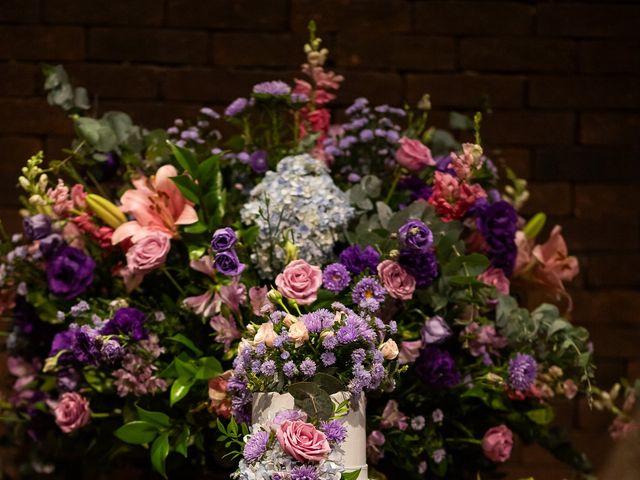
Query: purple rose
228, 263
50, 245
422, 265
357, 260
435, 330
223, 239
70, 273
37, 226
415, 235
437, 368
127, 321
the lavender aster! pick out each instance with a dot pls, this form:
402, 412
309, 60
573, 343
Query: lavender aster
236, 107
256, 446
328, 358
368, 294
290, 369
276, 88
304, 472
308, 367
336, 277
268, 368
334, 431
522, 371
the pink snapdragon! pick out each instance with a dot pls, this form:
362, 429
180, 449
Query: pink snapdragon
470, 160
452, 198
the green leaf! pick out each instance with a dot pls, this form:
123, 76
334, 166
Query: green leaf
185, 158
187, 187
328, 383
159, 452
180, 338
312, 399
179, 389
541, 416
182, 440
157, 418
185, 369
137, 432
197, 227
96, 133
350, 475
458, 121
209, 367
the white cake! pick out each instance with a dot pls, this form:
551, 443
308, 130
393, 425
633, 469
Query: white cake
267, 405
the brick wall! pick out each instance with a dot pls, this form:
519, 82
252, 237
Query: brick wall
562, 80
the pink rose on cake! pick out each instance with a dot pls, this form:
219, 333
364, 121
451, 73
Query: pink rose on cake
303, 441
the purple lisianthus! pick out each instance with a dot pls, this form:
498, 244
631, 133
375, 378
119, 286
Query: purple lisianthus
50, 245
357, 260
111, 351
415, 235
223, 239
61, 341
522, 371
336, 277
304, 472
368, 294
236, 107
37, 226
70, 272
258, 161
334, 430
256, 446
435, 330
276, 88
228, 263
498, 224
127, 321
437, 368
86, 345
422, 265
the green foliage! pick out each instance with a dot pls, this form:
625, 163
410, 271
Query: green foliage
353, 475
61, 93
232, 435
314, 396
187, 371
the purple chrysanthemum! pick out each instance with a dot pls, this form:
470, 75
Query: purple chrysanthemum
304, 472
368, 294
275, 88
334, 430
236, 107
437, 368
336, 277
328, 358
308, 367
357, 260
256, 446
522, 371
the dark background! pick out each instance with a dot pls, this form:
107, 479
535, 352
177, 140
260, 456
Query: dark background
561, 79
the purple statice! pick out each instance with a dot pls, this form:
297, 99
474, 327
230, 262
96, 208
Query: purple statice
276, 88
290, 369
127, 321
258, 161
308, 367
228, 263
79, 308
328, 358
437, 368
268, 368
422, 265
415, 235
418, 423
357, 259
86, 345
439, 455
318, 320
334, 430
368, 294
330, 341
304, 472
223, 239
256, 446
336, 277
522, 371
236, 107
36, 226
70, 272
358, 355
111, 351
498, 224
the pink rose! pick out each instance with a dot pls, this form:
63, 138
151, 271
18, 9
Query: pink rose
300, 282
414, 155
496, 278
149, 253
302, 441
396, 280
409, 351
72, 412
497, 443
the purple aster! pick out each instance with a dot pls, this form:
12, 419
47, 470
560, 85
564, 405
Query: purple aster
334, 431
268, 368
498, 223
358, 260
275, 88
330, 342
437, 368
345, 334
318, 320
127, 321
336, 278
415, 235
422, 265
256, 446
290, 369
368, 294
328, 358
260, 349
236, 107
439, 455
304, 472
358, 355
308, 367
522, 371
256, 366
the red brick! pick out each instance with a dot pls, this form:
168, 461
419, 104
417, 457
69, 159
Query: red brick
148, 45
113, 12
19, 11
55, 145
41, 43
610, 129
467, 90
378, 87
117, 81
528, 128
518, 54
613, 270
383, 16
396, 52
228, 14
258, 49
588, 20
32, 116
585, 164
551, 198
154, 114
517, 159
584, 92
15, 152
12, 222
602, 199
473, 18
609, 56
611, 307
603, 233
17, 79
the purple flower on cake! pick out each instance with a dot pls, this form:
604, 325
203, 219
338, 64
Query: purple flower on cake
256, 446
357, 260
289, 414
522, 371
304, 472
336, 277
368, 294
335, 431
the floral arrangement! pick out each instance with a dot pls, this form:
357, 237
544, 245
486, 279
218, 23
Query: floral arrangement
165, 276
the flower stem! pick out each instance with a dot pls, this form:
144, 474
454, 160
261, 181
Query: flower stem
396, 179
173, 280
